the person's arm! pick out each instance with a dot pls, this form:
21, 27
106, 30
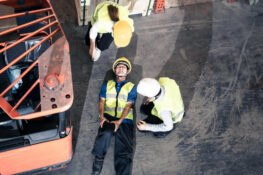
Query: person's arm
123, 115
101, 110
130, 101
92, 49
93, 35
132, 96
102, 97
167, 124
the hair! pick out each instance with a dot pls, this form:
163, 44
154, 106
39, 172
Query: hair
113, 13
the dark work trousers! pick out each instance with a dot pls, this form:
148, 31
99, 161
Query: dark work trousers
123, 150
102, 43
152, 119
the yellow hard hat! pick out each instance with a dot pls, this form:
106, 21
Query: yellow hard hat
124, 61
122, 33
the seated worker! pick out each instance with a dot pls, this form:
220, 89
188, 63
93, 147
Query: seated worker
117, 98
164, 105
109, 22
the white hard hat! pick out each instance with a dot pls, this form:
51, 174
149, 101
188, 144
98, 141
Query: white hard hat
148, 87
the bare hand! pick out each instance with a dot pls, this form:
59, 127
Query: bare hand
102, 120
141, 125
117, 124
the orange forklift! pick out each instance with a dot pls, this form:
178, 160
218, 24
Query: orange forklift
36, 90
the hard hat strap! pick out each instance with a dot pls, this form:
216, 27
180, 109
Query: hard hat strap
121, 76
158, 95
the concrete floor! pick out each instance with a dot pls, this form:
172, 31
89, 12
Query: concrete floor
214, 52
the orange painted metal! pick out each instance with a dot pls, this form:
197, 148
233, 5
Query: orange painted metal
21, 76
26, 25
24, 13
28, 36
36, 156
55, 86
54, 62
25, 95
51, 82
37, 107
159, 6
13, 3
49, 4
59, 67
29, 50
7, 108
49, 21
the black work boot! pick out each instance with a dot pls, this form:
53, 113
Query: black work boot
97, 166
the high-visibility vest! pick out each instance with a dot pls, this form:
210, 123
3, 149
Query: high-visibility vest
171, 101
116, 102
101, 14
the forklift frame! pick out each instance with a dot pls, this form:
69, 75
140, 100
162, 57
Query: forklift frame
54, 84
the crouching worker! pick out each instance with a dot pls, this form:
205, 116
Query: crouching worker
116, 119
109, 22
164, 105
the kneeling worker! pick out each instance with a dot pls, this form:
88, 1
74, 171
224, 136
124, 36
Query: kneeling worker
109, 22
164, 105
117, 98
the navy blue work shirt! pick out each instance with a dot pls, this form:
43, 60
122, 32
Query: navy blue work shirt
131, 96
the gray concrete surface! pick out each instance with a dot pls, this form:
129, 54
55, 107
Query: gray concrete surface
214, 52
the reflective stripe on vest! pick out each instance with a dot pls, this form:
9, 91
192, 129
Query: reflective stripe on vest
119, 109
122, 96
116, 103
101, 14
171, 101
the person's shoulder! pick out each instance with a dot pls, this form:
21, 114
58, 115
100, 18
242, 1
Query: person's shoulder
105, 82
134, 88
131, 83
109, 81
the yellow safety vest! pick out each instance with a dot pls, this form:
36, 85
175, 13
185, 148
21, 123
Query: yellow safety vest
116, 102
172, 100
101, 14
